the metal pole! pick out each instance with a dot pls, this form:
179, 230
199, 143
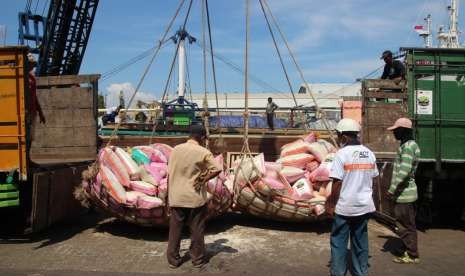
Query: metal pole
182, 71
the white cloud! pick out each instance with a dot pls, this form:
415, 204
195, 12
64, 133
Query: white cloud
113, 93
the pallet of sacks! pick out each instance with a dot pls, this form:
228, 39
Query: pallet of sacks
133, 185
293, 188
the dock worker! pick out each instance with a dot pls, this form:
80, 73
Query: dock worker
34, 106
190, 167
393, 68
403, 190
352, 172
270, 109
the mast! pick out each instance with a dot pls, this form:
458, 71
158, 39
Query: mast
182, 70
450, 39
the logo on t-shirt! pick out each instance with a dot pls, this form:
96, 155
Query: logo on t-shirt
360, 154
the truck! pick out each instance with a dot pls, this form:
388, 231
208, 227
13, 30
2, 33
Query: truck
433, 97
39, 169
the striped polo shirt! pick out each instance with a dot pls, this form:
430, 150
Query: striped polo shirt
403, 184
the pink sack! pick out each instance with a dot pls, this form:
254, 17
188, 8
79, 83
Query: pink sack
273, 166
319, 209
148, 202
320, 149
220, 160
131, 166
163, 188
251, 169
302, 190
132, 196
143, 187
164, 148
292, 174
97, 184
271, 173
147, 177
110, 159
155, 172
274, 183
110, 181
296, 147
154, 154
309, 138
312, 166
321, 174
297, 160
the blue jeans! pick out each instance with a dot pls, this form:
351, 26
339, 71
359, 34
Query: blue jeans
356, 228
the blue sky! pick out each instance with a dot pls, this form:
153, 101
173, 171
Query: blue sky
334, 40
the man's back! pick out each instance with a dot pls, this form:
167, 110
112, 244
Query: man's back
355, 165
394, 70
189, 163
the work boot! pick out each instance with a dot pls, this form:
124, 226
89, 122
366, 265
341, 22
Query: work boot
406, 259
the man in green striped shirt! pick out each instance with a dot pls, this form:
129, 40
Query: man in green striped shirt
403, 190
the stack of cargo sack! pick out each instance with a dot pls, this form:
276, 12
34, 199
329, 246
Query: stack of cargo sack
133, 185
294, 188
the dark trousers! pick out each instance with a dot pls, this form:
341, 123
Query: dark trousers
407, 230
356, 228
270, 118
195, 218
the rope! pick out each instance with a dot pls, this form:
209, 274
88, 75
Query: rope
205, 116
115, 130
246, 148
319, 110
282, 63
213, 69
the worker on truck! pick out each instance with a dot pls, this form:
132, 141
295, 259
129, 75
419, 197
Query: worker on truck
190, 167
270, 109
34, 106
353, 170
403, 190
393, 68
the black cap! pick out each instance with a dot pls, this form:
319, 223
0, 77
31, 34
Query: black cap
386, 54
198, 131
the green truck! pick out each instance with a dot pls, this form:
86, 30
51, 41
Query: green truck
433, 96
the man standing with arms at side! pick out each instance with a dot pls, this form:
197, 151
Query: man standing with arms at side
270, 108
34, 106
189, 169
403, 190
353, 170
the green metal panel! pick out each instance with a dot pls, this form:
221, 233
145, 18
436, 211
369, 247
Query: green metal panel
436, 80
9, 195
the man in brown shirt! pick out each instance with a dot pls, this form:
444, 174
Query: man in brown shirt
190, 167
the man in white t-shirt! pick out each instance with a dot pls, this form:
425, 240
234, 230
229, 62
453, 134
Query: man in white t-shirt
353, 170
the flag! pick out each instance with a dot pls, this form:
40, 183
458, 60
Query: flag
419, 27
420, 30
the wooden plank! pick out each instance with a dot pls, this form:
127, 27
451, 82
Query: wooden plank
67, 80
40, 197
379, 83
62, 204
63, 98
386, 95
64, 154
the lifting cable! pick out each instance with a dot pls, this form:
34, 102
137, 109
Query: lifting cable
282, 63
165, 34
245, 147
173, 62
218, 126
205, 115
319, 110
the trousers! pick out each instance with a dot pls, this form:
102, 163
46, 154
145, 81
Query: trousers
356, 228
407, 230
195, 219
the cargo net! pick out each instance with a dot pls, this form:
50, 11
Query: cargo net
294, 188
132, 185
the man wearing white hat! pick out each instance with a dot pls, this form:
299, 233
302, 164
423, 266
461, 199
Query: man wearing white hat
353, 170
403, 190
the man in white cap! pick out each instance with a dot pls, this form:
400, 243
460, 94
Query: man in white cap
353, 170
403, 190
